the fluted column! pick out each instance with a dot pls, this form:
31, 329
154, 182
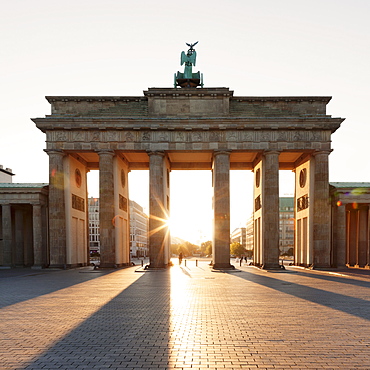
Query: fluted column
106, 209
340, 235
19, 237
270, 210
221, 209
38, 255
362, 236
57, 212
7, 235
157, 210
321, 211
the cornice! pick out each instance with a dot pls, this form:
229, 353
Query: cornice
178, 123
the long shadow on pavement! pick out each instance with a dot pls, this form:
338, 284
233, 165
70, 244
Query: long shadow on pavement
27, 284
130, 331
336, 279
350, 305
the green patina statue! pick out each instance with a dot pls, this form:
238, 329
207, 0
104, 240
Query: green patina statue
188, 78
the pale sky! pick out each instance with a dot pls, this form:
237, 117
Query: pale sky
121, 47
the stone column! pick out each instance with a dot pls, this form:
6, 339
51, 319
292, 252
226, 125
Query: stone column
270, 210
362, 236
39, 259
221, 209
367, 266
351, 237
321, 211
106, 209
19, 237
28, 258
7, 235
57, 212
157, 210
340, 235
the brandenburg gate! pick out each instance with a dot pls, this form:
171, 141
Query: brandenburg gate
187, 127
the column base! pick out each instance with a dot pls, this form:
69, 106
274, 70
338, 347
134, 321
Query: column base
272, 266
155, 268
67, 265
223, 266
38, 267
113, 265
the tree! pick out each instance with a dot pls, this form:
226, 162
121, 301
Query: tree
237, 249
206, 248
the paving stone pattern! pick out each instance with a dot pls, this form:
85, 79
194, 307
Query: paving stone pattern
184, 317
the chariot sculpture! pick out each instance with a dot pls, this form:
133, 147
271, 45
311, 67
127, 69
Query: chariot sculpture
188, 78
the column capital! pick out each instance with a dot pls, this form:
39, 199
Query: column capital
55, 151
106, 151
265, 152
156, 152
217, 152
318, 152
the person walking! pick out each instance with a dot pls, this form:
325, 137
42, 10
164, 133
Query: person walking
180, 258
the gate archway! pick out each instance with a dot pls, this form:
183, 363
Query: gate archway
187, 128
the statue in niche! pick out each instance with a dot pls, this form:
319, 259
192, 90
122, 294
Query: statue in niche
188, 78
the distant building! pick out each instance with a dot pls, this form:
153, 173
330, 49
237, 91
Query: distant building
138, 228
5, 175
239, 235
138, 231
94, 229
249, 234
286, 224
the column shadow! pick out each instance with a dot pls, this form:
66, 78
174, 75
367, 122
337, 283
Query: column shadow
337, 279
351, 305
29, 284
131, 331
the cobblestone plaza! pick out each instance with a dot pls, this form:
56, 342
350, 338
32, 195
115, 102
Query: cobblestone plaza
185, 317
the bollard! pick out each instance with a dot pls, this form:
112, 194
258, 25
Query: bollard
196, 263
142, 263
185, 262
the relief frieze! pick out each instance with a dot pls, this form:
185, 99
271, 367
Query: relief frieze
78, 203
197, 136
214, 136
231, 136
129, 136
78, 136
60, 136
163, 136
179, 136
95, 136
248, 136
112, 136
265, 136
